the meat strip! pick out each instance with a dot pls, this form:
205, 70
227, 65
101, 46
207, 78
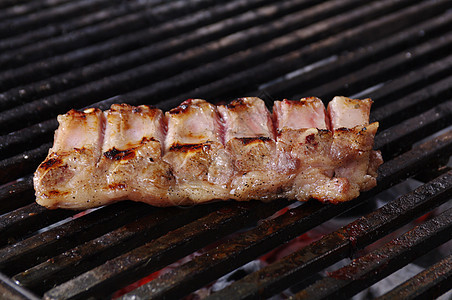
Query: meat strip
199, 152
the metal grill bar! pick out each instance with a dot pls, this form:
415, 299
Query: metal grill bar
430, 283
413, 103
337, 245
84, 19
397, 168
58, 13
222, 50
20, 9
143, 55
398, 138
135, 264
136, 77
23, 163
99, 32
375, 73
237, 251
16, 141
416, 79
26, 220
16, 194
11, 291
115, 46
356, 58
41, 246
77, 260
250, 78
27, 135
370, 268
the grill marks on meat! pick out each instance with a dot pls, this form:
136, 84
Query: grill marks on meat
328, 165
200, 152
195, 150
352, 144
250, 141
304, 145
132, 163
105, 157
63, 179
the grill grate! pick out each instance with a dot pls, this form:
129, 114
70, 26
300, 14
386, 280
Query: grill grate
56, 55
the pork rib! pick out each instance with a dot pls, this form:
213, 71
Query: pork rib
250, 142
199, 152
61, 180
194, 149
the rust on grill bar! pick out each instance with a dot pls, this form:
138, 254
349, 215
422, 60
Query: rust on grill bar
369, 268
430, 283
59, 54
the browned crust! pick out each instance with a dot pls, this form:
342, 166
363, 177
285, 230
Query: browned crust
237, 105
51, 163
181, 108
77, 114
302, 101
186, 148
53, 193
115, 154
252, 140
122, 107
147, 139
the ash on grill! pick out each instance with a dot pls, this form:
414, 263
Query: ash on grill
57, 55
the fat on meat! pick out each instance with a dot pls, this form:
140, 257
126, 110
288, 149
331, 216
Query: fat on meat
194, 149
304, 145
352, 146
131, 162
250, 142
199, 152
61, 180
330, 157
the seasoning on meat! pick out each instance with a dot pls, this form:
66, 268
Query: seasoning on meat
199, 152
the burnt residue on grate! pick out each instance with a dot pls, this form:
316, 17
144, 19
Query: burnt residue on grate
367, 269
59, 54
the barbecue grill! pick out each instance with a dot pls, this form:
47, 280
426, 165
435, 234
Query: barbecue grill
57, 54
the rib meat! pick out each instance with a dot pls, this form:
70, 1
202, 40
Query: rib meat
131, 161
68, 177
250, 142
195, 151
304, 145
353, 143
199, 152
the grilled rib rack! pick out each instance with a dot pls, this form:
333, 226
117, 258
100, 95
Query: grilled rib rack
59, 54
